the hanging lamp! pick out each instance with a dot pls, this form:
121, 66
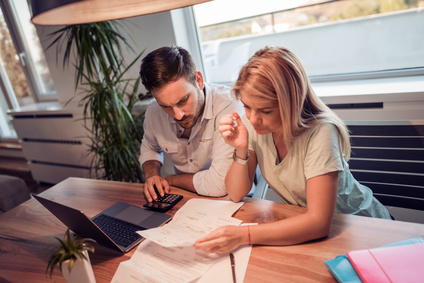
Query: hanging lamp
68, 12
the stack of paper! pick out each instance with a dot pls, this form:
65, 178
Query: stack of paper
196, 219
167, 254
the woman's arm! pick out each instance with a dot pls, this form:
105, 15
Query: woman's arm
314, 224
239, 179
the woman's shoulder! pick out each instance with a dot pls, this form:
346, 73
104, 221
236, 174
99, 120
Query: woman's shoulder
322, 130
318, 127
325, 127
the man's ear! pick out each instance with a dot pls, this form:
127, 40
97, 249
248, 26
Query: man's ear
199, 80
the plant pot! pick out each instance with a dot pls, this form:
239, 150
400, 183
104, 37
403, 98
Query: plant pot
82, 271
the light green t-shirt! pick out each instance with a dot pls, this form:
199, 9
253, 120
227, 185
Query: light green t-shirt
315, 152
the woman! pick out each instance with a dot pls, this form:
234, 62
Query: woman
301, 147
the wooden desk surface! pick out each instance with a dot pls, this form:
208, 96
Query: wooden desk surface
27, 235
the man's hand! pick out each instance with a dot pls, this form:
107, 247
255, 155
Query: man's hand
161, 185
151, 170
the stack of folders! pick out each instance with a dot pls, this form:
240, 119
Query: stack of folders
397, 262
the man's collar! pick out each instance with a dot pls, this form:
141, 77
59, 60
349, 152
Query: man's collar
208, 110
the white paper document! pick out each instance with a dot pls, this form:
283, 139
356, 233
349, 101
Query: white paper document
213, 207
221, 270
154, 263
175, 259
187, 230
196, 219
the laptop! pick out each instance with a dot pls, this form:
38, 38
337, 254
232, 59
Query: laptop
115, 227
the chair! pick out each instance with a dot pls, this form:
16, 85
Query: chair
13, 191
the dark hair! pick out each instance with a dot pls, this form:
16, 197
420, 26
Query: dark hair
165, 65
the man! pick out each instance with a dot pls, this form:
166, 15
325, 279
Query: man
183, 121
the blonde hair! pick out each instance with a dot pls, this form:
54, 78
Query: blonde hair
276, 74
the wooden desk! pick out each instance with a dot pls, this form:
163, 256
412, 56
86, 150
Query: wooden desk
27, 235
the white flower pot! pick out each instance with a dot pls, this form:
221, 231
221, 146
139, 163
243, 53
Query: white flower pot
81, 272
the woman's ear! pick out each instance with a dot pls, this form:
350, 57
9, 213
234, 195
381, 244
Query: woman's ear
199, 80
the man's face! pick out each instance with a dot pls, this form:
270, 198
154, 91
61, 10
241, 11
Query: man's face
182, 101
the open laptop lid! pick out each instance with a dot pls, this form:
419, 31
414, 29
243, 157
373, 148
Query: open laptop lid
78, 222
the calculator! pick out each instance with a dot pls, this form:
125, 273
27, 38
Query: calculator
164, 203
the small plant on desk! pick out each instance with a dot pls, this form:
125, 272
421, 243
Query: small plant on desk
73, 256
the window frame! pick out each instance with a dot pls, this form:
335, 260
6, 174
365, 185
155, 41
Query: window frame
405, 101
35, 86
10, 17
336, 77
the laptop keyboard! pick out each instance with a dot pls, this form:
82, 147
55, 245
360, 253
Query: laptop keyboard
121, 232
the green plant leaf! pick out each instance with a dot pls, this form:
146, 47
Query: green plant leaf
71, 248
109, 97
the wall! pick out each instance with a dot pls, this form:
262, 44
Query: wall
144, 33
58, 149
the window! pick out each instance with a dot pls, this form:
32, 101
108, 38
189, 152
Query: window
24, 75
336, 40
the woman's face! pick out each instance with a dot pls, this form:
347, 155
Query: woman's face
263, 114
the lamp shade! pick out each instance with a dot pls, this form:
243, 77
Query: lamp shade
69, 12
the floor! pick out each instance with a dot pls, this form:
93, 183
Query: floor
39, 188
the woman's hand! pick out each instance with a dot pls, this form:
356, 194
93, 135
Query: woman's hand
234, 131
223, 239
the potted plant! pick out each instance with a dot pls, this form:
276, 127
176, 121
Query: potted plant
109, 96
72, 259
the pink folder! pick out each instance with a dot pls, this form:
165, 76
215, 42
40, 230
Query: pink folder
391, 264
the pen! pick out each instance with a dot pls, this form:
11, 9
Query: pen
233, 267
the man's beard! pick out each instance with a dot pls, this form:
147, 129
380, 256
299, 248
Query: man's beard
186, 122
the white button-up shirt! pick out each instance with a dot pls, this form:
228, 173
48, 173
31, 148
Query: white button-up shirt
205, 152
